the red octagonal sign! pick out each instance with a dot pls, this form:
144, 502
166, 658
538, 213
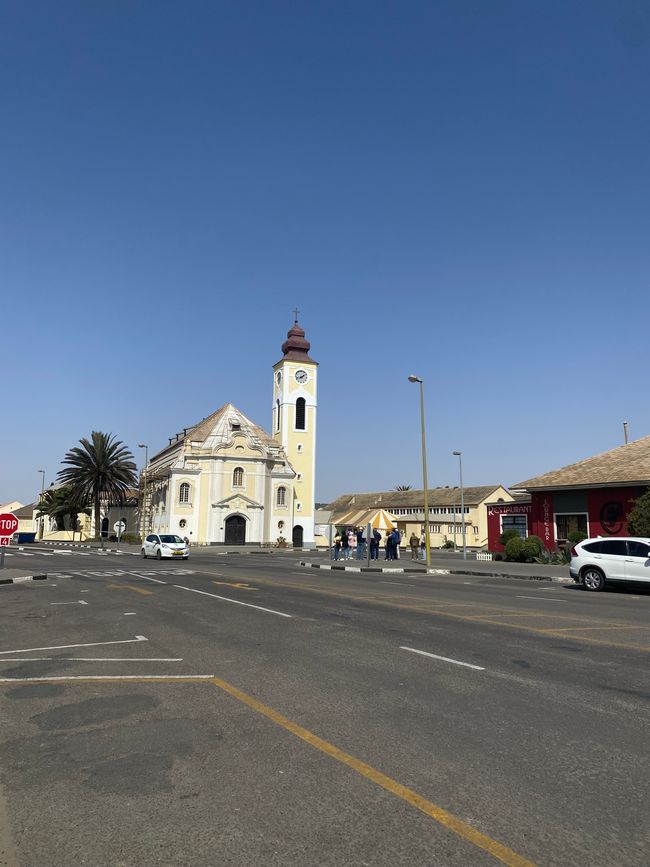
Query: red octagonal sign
8, 524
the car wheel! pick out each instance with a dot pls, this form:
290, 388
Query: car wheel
144, 556
158, 555
186, 558
593, 579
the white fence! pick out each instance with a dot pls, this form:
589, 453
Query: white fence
483, 555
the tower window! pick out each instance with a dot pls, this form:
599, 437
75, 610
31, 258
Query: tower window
184, 493
282, 496
300, 413
277, 415
238, 477
299, 447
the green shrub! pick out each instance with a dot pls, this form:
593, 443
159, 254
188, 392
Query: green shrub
515, 549
532, 548
505, 537
576, 536
448, 544
497, 556
131, 539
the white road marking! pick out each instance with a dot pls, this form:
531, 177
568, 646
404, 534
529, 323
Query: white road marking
147, 578
108, 677
234, 601
61, 552
78, 602
128, 613
398, 583
543, 598
91, 659
66, 646
443, 658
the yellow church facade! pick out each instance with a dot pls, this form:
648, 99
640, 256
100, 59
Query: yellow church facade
226, 481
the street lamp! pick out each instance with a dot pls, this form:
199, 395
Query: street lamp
143, 516
459, 455
40, 503
427, 542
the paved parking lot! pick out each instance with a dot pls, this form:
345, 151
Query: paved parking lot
242, 710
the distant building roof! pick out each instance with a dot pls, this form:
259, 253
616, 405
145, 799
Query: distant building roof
628, 464
25, 511
413, 498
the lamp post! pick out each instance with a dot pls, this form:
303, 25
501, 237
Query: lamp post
40, 503
459, 455
427, 542
143, 509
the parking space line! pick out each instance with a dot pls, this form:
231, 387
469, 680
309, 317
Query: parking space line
67, 646
234, 601
111, 678
448, 820
443, 658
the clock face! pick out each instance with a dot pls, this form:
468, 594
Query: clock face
301, 376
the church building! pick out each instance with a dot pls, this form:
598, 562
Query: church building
225, 481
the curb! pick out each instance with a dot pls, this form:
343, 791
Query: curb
21, 579
389, 569
559, 579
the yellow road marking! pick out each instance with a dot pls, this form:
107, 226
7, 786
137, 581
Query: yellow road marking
443, 817
582, 628
239, 585
324, 591
140, 590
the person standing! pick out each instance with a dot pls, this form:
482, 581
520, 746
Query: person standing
345, 545
423, 546
352, 542
361, 544
396, 537
374, 545
337, 545
414, 542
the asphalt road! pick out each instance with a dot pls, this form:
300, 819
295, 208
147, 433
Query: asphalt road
241, 710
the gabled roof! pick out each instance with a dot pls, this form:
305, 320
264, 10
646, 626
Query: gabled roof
413, 498
628, 464
217, 429
25, 511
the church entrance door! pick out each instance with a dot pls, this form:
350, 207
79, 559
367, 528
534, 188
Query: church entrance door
235, 530
297, 536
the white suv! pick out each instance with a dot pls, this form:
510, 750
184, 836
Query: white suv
594, 562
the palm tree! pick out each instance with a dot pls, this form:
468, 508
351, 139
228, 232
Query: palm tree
402, 488
60, 503
102, 469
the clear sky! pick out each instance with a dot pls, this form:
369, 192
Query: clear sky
456, 189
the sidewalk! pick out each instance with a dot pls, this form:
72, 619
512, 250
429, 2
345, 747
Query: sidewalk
449, 564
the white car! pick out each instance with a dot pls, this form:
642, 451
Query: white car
163, 545
594, 562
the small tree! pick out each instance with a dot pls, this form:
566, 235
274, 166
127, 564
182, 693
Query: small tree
515, 549
61, 503
576, 536
402, 488
638, 521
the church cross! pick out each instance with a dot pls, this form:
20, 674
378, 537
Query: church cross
295, 313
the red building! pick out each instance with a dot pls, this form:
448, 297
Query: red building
593, 496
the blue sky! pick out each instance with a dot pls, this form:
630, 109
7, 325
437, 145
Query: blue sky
455, 189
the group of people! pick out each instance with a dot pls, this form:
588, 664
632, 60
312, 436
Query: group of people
349, 540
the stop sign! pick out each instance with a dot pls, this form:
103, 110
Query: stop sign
8, 524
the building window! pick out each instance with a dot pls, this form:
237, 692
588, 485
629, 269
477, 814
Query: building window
238, 477
184, 493
518, 523
567, 524
435, 528
235, 426
277, 415
300, 413
299, 447
282, 497
299, 477
298, 507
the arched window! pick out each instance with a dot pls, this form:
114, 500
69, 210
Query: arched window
184, 493
300, 413
282, 496
238, 477
277, 415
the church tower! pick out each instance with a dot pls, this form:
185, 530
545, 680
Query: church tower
294, 425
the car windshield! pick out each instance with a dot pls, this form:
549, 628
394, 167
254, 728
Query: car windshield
168, 540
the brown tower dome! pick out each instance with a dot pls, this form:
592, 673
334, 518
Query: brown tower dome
296, 347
